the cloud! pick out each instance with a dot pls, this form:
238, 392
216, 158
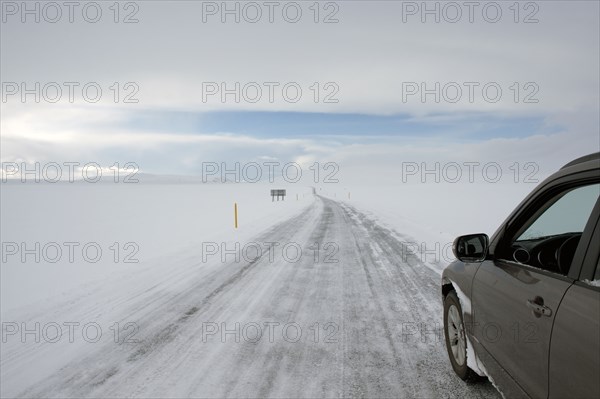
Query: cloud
369, 55
372, 55
103, 135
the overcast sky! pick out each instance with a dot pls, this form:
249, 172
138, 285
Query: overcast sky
347, 91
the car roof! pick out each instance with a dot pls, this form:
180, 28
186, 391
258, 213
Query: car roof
585, 159
589, 162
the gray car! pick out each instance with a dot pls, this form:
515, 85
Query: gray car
523, 308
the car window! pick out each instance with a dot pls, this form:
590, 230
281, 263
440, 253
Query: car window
569, 214
549, 240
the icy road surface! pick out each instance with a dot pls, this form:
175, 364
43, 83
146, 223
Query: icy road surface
368, 325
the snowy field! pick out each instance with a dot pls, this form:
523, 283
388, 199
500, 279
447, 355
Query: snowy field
151, 222
371, 241
159, 220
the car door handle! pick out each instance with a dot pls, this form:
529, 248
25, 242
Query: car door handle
537, 305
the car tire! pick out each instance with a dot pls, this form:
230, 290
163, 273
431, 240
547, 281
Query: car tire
456, 344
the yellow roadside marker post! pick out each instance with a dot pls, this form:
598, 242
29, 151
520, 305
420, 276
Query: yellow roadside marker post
235, 214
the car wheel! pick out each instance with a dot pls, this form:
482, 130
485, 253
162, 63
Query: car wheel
456, 341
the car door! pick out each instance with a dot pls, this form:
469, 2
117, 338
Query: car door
518, 289
575, 346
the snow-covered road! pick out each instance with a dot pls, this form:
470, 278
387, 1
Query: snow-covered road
353, 316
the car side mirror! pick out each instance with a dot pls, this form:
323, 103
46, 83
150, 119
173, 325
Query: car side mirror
471, 248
